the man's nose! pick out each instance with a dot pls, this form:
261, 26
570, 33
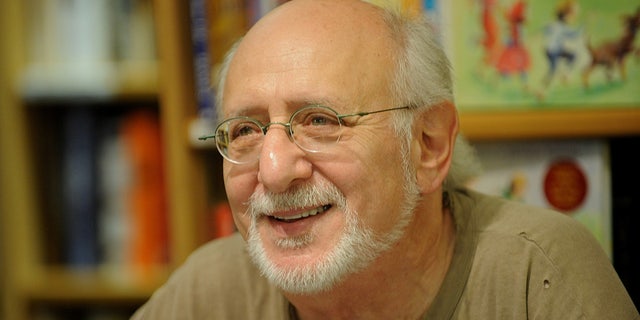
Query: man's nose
282, 163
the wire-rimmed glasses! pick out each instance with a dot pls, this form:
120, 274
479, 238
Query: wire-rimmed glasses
313, 128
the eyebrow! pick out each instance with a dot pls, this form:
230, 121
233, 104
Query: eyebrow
322, 101
247, 111
336, 104
292, 106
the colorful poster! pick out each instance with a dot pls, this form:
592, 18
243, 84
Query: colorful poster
518, 54
570, 176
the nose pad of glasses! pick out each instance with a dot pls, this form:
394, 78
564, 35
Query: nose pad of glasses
287, 127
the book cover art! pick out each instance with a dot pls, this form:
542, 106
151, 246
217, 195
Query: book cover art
517, 54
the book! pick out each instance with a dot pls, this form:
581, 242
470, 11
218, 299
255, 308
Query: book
70, 50
149, 237
133, 219
256, 9
49, 159
115, 174
201, 58
79, 188
215, 26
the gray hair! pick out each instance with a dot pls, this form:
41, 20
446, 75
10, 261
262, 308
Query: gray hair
422, 79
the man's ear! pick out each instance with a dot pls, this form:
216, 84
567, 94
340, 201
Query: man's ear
434, 137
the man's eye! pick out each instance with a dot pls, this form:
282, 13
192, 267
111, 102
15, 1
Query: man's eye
319, 119
244, 130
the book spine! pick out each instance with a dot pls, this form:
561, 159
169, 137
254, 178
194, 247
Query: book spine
146, 196
79, 191
201, 59
115, 178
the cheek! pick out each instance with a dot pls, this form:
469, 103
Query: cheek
377, 187
239, 187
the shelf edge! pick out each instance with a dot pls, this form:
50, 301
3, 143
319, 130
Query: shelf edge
550, 124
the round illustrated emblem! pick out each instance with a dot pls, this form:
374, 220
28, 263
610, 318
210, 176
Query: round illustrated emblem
565, 185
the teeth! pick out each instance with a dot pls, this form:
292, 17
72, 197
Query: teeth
305, 214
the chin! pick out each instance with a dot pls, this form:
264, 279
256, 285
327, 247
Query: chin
299, 266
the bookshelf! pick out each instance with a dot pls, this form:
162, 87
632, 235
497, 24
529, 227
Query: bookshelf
34, 98
164, 84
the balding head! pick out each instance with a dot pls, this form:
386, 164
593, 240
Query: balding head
337, 43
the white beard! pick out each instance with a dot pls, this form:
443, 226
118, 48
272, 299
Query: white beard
357, 247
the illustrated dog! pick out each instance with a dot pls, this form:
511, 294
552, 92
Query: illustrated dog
612, 54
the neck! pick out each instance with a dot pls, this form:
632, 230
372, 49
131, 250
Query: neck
401, 283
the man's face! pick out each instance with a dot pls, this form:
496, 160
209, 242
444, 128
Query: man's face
312, 214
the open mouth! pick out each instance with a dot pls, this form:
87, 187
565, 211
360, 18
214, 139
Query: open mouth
302, 215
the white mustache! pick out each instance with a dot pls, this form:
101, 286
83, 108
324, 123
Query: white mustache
303, 196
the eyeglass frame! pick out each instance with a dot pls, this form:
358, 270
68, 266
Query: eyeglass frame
265, 127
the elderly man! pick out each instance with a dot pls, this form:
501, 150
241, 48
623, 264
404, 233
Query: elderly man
338, 135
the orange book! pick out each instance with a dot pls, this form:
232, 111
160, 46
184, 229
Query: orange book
146, 199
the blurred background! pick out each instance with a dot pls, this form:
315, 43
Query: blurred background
105, 189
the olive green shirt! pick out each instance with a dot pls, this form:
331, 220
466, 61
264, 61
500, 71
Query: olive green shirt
511, 261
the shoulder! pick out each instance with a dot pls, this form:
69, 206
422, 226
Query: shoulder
218, 281
497, 216
540, 260
221, 255
546, 234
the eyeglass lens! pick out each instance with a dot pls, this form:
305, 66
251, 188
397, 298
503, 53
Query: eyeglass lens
312, 128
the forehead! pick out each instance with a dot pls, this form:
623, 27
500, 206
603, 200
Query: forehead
308, 52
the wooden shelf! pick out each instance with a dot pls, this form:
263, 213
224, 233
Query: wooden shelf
93, 286
550, 124
113, 81
27, 281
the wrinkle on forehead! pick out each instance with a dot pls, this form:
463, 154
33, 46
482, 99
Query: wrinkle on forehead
346, 41
296, 26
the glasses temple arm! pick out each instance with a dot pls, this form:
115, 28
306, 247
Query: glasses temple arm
364, 113
203, 138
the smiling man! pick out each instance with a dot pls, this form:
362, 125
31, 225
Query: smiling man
338, 135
